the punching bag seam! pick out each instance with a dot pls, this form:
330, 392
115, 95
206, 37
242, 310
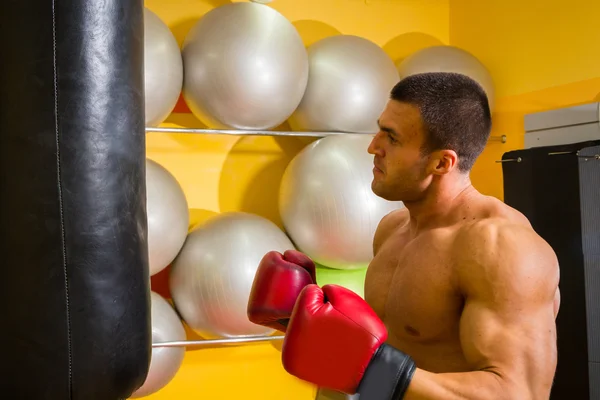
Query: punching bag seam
60, 199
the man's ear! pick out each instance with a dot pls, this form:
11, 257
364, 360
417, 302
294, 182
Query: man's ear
443, 161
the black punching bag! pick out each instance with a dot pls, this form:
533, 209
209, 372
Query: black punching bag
75, 296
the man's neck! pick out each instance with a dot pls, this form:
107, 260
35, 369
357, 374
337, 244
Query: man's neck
438, 206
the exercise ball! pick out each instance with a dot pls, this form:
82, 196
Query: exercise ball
245, 67
212, 276
448, 59
348, 87
165, 361
326, 202
163, 69
168, 216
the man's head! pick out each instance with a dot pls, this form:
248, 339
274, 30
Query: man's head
435, 124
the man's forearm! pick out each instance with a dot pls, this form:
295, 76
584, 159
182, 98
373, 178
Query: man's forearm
476, 385
393, 375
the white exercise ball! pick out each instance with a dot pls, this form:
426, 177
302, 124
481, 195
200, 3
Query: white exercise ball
348, 87
168, 216
212, 276
246, 67
449, 59
163, 69
165, 361
327, 205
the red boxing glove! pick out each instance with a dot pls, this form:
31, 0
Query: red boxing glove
332, 336
277, 284
336, 341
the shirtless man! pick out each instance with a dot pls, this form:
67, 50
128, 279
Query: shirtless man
461, 295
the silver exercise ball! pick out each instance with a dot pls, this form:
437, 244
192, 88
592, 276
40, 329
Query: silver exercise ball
165, 361
168, 216
449, 59
327, 205
163, 69
348, 87
212, 276
245, 67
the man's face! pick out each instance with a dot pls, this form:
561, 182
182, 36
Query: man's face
400, 166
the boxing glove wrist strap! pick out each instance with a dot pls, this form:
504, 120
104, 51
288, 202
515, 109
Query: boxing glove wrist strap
388, 375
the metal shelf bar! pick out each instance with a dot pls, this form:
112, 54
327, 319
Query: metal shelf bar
238, 132
241, 132
217, 342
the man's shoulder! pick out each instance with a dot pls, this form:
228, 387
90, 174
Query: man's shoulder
498, 236
395, 218
496, 211
389, 224
493, 220
501, 249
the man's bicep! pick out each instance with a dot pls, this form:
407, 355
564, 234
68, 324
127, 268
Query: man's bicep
498, 340
508, 325
519, 345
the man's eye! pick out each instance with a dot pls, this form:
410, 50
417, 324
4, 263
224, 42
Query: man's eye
392, 138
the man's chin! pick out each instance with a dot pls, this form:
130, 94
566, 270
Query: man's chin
374, 186
377, 190
381, 192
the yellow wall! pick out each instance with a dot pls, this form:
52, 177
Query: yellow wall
541, 54
530, 45
220, 173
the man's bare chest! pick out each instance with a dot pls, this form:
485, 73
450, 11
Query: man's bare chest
412, 287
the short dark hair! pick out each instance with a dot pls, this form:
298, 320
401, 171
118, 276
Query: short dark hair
454, 109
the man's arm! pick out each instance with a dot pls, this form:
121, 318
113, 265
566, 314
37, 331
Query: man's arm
509, 279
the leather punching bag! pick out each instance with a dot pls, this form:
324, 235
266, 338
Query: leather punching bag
74, 290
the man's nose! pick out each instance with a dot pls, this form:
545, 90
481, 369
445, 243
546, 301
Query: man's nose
374, 147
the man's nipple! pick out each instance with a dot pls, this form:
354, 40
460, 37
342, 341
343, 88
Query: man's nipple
411, 331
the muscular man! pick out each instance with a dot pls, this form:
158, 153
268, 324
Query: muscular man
467, 292
462, 281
